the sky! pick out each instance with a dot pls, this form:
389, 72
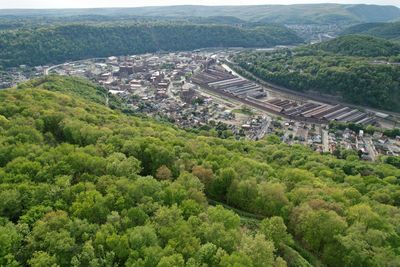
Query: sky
135, 3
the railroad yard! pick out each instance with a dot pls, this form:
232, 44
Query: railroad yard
216, 78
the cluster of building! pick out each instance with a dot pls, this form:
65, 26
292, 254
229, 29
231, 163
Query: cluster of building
146, 75
160, 86
258, 127
368, 146
314, 33
13, 76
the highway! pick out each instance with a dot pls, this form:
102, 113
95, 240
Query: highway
47, 70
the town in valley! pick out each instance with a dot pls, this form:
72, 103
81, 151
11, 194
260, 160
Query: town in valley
200, 90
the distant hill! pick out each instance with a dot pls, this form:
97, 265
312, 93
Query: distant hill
287, 14
71, 42
330, 13
374, 12
227, 20
26, 22
359, 45
382, 30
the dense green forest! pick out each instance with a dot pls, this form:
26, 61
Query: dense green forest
28, 22
283, 14
382, 30
85, 185
356, 68
60, 43
360, 45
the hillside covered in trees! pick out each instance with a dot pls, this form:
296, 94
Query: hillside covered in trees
85, 185
56, 44
360, 69
283, 14
382, 30
361, 46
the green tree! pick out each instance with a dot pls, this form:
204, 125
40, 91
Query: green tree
275, 229
42, 259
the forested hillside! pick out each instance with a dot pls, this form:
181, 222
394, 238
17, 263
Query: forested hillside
60, 43
389, 31
360, 45
360, 69
284, 14
84, 185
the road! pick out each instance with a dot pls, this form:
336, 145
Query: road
263, 130
229, 69
369, 145
325, 140
47, 70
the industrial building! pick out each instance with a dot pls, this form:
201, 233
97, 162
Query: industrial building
223, 81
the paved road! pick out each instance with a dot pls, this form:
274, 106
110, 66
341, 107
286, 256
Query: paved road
47, 71
263, 130
325, 140
371, 148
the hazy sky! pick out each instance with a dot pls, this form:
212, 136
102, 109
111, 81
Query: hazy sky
135, 3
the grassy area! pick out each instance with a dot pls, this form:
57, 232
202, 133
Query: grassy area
244, 110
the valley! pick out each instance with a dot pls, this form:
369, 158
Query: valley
168, 87
199, 136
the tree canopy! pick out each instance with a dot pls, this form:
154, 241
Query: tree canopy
84, 185
57, 44
390, 30
361, 46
